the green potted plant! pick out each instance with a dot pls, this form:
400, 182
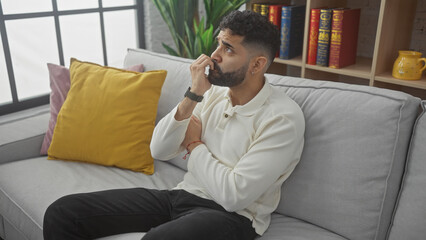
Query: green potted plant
192, 35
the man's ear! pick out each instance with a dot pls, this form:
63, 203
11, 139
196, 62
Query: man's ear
259, 64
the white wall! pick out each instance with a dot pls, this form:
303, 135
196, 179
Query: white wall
156, 30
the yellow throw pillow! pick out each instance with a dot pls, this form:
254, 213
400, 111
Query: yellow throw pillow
108, 117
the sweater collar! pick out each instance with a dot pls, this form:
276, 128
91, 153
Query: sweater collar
253, 105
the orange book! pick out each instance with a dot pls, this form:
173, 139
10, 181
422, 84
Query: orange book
344, 37
313, 36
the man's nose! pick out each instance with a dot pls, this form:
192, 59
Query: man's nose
216, 56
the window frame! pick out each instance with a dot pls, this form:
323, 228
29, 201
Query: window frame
18, 105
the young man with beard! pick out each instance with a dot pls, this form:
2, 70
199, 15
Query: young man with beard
244, 139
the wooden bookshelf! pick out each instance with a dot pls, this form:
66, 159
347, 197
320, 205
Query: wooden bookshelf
297, 61
362, 68
387, 78
394, 21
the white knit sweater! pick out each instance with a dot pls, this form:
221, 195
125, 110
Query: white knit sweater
248, 150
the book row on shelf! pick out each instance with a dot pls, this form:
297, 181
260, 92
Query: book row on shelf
290, 20
333, 33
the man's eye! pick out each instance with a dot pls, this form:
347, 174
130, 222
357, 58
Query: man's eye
227, 49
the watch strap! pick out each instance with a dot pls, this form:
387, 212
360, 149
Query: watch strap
193, 96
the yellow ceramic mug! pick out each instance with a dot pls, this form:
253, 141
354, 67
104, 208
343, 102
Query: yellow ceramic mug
409, 66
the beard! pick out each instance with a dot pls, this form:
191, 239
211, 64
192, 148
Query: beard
229, 79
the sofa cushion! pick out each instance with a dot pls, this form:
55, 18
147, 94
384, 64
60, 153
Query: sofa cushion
410, 217
295, 229
28, 187
59, 86
281, 227
22, 133
356, 140
108, 117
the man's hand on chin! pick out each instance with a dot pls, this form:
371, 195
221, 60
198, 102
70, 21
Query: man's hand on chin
200, 84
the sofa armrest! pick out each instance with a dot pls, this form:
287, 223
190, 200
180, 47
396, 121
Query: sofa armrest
22, 133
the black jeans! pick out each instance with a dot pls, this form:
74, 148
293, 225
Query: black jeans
163, 214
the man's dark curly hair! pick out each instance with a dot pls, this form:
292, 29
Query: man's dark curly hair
256, 30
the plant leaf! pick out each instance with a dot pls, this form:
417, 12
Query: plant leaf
208, 40
188, 52
170, 50
191, 36
191, 39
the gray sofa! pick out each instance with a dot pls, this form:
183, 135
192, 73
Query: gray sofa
362, 174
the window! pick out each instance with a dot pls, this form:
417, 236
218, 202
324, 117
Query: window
5, 94
30, 54
82, 37
34, 33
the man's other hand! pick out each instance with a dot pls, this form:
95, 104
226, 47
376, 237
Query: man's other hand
193, 134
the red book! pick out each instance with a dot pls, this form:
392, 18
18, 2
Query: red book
275, 15
313, 36
275, 18
344, 37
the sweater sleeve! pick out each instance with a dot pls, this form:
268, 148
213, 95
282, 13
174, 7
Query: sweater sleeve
271, 157
169, 134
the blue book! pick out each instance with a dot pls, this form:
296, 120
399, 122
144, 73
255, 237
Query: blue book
324, 30
292, 28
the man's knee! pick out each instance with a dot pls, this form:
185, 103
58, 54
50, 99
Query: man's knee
53, 211
58, 217
59, 208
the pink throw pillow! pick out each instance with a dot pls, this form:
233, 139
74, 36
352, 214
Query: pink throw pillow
60, 85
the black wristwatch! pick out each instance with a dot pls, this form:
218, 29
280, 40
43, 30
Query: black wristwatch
193, 96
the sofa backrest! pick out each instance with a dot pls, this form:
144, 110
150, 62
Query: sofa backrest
356, 142
410, 218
